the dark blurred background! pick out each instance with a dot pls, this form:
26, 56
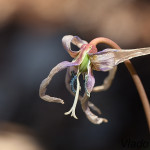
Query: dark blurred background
30, 46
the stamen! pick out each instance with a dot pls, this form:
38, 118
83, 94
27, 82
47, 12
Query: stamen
72, 110
72, 82
85, 85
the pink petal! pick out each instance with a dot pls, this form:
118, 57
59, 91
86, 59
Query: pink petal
46, 81
105, 60
102, 61
68, 39
89, 81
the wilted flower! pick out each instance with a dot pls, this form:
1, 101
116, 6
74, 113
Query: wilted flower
84, 62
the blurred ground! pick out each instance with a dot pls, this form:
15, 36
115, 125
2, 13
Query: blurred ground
16, 137
30, 46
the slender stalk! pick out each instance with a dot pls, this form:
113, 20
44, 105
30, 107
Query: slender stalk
133, 74
73, 108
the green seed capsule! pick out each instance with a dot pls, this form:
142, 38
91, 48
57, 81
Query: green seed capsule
83, 66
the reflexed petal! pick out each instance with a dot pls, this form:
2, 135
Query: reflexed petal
108, 58
107, 81
68, 39
92, 117
123, 55
89, 81
93, 107
46, 81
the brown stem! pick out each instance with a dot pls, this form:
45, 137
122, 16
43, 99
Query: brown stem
134, 75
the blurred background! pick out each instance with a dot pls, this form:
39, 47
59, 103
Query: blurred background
30, 46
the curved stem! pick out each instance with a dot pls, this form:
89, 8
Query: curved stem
133, 73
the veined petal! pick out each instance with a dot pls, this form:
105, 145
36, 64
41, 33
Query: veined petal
105, 60
123, 55
102, 61
89, 81
46, 81
93, 107
92, 117
68, 39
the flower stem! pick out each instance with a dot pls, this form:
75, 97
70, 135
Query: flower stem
133, 74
